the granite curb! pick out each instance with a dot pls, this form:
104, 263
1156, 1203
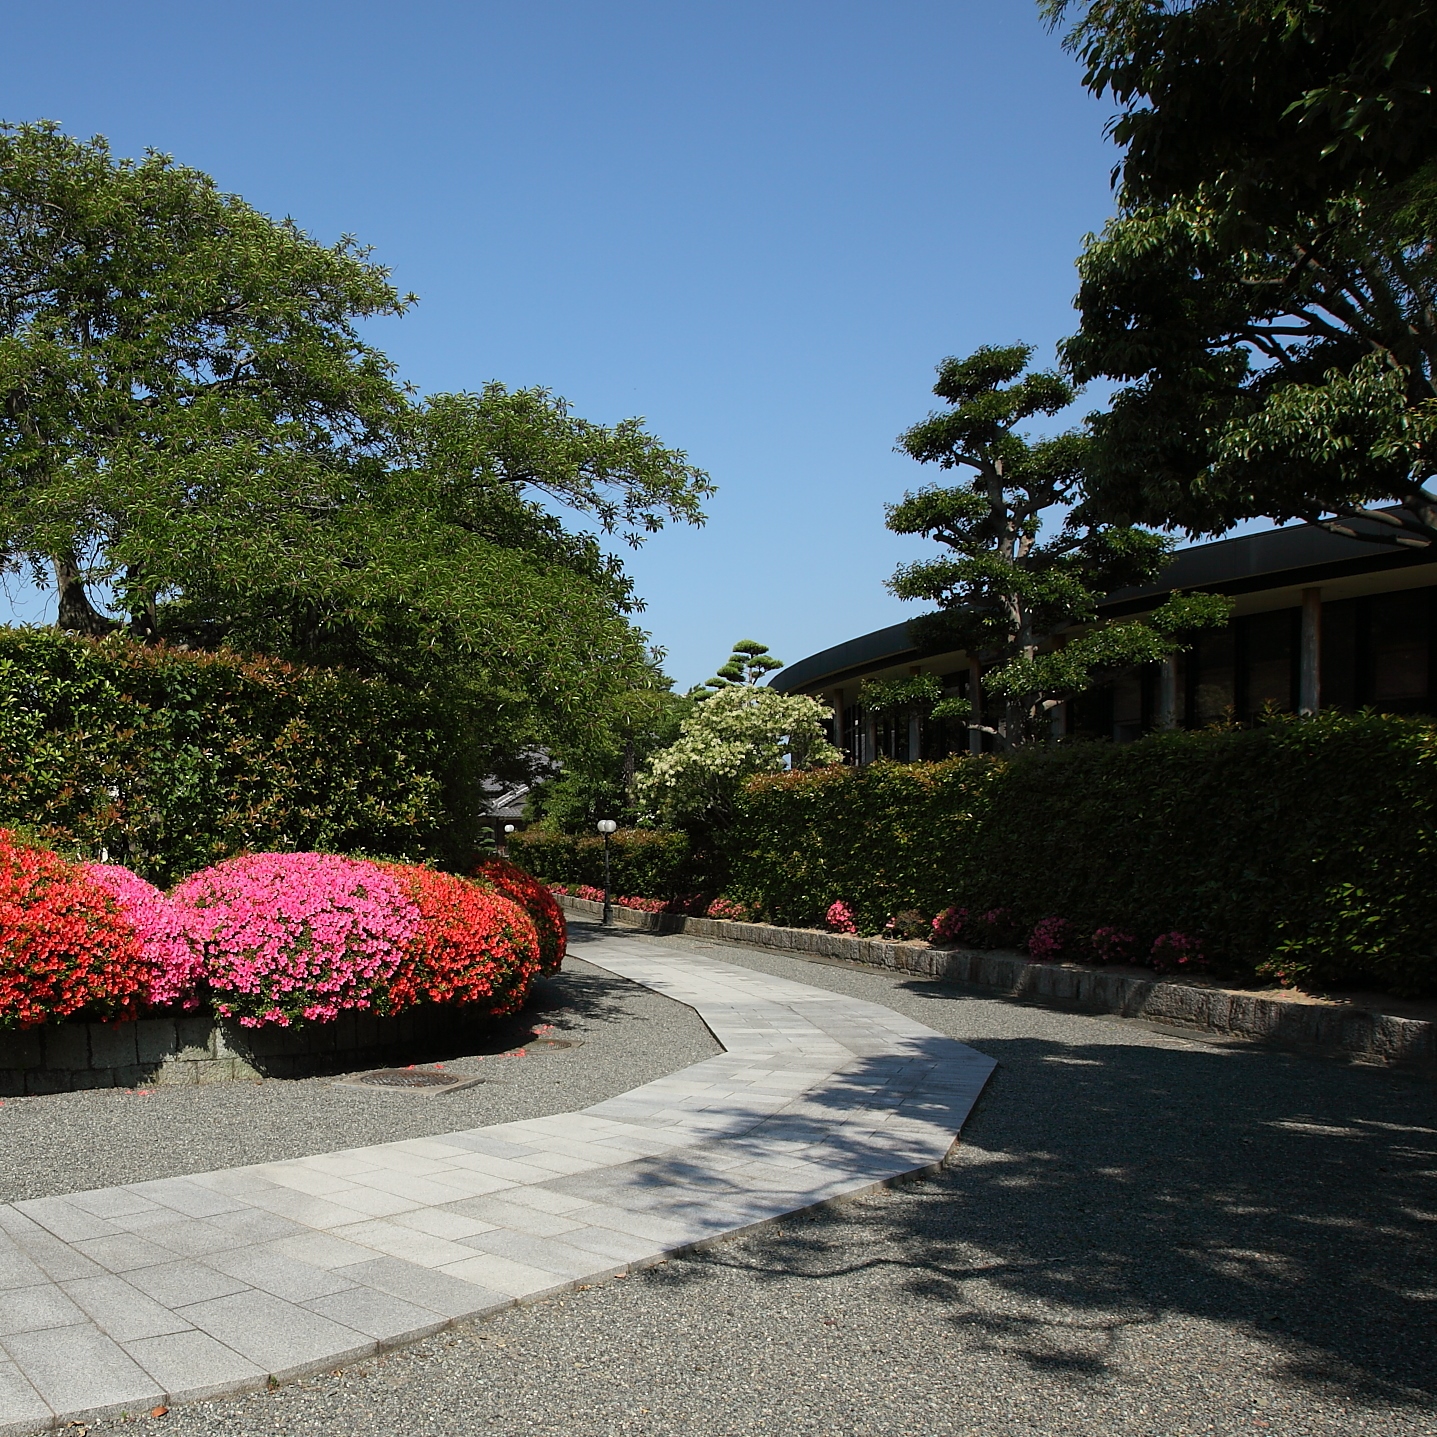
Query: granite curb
1352, 1031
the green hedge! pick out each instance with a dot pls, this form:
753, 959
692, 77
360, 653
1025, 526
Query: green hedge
169, 759
643, 863
1304, 848
882, 838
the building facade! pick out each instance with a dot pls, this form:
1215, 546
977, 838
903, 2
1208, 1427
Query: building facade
1319, 621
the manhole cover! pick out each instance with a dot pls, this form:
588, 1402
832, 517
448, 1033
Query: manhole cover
410, 1080
554, 1043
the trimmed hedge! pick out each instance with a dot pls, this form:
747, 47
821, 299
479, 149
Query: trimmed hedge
880, 839
655, 864
1302, 848
170, 760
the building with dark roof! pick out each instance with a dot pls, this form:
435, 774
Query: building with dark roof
1320, 620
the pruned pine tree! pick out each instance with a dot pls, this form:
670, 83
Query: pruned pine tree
749, 662
1024, 561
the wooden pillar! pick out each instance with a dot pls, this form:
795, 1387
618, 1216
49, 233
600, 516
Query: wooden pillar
975, 697
1309, 656
1168, 693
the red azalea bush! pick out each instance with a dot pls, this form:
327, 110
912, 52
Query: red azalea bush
948, 926
729, 910
532, 896
471, 944
65, 947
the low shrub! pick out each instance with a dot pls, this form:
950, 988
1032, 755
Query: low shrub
470, 945
908, 924
641, 860
839, 918
66, 949
536, 900
1052, 938
170, 935
302, 937
728, 910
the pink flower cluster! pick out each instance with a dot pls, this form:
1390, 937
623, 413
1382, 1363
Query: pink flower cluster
300, 936
1051, 938
840, 918
729, 909
171, 935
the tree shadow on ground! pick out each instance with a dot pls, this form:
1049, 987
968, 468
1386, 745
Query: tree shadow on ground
1106, 1186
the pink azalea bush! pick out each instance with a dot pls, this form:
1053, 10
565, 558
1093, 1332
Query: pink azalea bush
1114, 945
840, 918
949, 924
729, 909
300, 937
1178, 953
170, 935
1051, 938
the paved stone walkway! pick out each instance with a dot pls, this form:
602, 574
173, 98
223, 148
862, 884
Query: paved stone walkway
124, 1298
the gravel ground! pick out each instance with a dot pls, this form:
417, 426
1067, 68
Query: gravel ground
1139, 1234
629, 1035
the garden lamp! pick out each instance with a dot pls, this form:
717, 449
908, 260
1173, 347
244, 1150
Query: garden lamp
606, 827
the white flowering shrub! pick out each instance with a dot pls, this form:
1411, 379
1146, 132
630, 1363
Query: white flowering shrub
739, 732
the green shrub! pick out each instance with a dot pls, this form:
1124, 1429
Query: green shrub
1301, 848
881, 838
170, 760
642, 861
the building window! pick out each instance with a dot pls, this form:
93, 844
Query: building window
1339, 654
1400, 648
1212, 695
1269, 651
1128, 707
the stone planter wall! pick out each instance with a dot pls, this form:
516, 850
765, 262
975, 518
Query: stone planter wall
1361, 1032
196, 1048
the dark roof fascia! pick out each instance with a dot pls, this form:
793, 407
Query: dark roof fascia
879, 650
1273, 559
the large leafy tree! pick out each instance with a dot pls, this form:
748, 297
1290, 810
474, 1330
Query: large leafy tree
1025, 560
195, 439
1268, 290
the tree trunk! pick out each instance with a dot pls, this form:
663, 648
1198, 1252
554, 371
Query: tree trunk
76, 613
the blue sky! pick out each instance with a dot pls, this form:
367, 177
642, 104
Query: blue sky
758, 225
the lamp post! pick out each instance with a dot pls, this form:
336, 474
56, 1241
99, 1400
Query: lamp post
606, 827
508, 829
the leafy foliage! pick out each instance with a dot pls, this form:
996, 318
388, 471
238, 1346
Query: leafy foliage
1268, 290
641, 860
741, 731
1003, 588
194, 436
536, 900
172, 760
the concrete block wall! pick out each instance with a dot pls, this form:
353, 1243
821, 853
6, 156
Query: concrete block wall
1361, 1033
196, 1048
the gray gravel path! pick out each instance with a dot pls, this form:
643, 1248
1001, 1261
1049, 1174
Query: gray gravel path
1139, 1234
69, 1142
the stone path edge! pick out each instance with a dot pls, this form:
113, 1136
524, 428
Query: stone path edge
1358, 1034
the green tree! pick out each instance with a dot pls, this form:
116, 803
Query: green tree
1267, 293
1004, 587
749, 662
194, 439
741, 731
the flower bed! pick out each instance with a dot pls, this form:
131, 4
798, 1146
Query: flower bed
265, 940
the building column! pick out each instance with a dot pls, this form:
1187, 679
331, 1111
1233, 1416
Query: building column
915, 737
1167, 715
975, 698
1309, 658
868, 743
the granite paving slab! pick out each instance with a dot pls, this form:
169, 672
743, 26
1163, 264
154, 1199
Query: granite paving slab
125, 1298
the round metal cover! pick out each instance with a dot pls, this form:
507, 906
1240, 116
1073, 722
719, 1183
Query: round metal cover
553, 1043
407, 1078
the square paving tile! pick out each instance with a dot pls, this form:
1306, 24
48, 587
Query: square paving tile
277, 1336
34, 1309
191, 1366
122, 1311
79, 1370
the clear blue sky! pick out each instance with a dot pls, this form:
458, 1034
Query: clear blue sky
758, 225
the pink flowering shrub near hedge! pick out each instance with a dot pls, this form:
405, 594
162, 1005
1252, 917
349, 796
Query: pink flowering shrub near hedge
171, 936
300, 937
